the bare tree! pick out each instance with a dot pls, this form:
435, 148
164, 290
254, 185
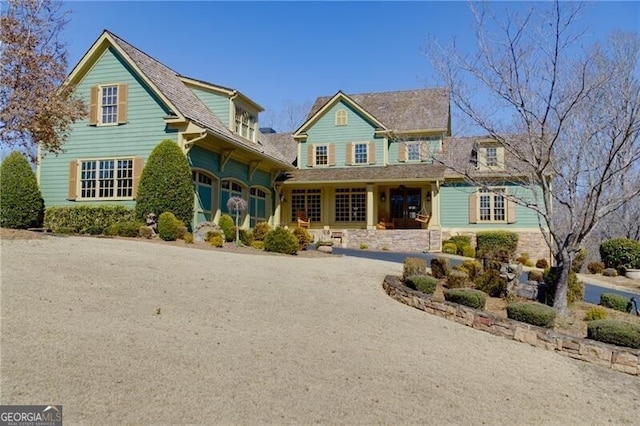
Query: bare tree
35, 107
288, 118
568, 117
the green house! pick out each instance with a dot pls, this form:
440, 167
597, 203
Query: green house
362, 168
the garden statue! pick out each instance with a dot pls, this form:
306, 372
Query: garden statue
152, 223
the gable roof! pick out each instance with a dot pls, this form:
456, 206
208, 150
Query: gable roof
172, 90
424, 109
283, 142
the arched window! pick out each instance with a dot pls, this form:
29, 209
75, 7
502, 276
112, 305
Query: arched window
231, 188
205, 189
258, 205
341, 117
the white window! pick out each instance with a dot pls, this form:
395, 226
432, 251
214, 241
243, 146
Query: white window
492, 156
360, 153
307, 200
245, 124
342, 119
413, 151
106, 178
491, 204
109, 104
258, 206
351, 204
321, 155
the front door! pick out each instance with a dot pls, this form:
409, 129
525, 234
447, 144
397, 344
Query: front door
405, 206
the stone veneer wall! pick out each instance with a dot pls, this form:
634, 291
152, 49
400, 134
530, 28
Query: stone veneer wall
391, 239
626, 360
529, 242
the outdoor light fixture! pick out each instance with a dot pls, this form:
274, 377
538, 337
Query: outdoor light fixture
428, 195
383, 196
282, 199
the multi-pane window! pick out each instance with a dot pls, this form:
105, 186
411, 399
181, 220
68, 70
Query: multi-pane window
322, 155
492, 205
109, 104
360, 153
341, 117
257, 206
108, 178
351, 205
307, 200
492, 156
413, 151
245, 124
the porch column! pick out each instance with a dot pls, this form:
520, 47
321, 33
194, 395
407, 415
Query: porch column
370, 199
435, 206
277, 211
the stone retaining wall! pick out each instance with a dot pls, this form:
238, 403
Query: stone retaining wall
618, 358
394, 239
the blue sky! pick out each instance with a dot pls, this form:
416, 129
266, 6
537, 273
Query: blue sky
278, 52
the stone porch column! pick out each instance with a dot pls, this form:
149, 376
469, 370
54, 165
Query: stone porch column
370, 201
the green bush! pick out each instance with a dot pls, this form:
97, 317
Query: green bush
165, 184
211, 234
458, 278
95, 230
473, 268
595, 267
188, 238
145, 232
80, 218
542, 264
125, 229
578, 261
575, 290
610, 272
460, 241
440, 267
615, 332
260, 231
531, 313
614, 301
468, 251
498, 245
281, 240
228, 227
449, 248
491, 283
258, 245
182, 231
168, 226
595, 313
620, 253
216, 240
20, 197
246, 237
466, 296
303, 236
535, 276
413, 266
424, 283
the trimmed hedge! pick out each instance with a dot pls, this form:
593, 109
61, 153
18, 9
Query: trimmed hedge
124, 229
616, 332
614, 301
424, 283
499, 245
440, 267
413, 266
532, 313
168, 226
620, 253
166, 184
466, 296
20, 197
280, 240
79, 219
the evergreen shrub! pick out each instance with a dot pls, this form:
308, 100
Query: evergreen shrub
280, 240
466, 296
21, 204
532, 313
413, 266
614, 301
168, 226
440, 267
424, 283
615, 332
80, 218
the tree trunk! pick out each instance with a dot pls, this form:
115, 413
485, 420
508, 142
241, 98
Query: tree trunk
563, 268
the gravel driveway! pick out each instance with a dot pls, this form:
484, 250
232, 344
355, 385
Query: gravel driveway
130, 332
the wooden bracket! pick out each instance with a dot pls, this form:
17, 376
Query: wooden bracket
226, 156
252, 168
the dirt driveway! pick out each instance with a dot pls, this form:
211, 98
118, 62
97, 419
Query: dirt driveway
130, 332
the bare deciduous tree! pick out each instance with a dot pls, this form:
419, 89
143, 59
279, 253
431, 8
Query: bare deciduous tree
288, 118
35, 108
567, 116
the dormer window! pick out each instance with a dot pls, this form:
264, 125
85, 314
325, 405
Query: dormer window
245, 124
489, 155
342, 118
492, 156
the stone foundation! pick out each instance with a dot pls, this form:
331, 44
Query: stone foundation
394, 239
618, 358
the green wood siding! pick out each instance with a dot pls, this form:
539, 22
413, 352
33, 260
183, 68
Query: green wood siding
145, 128
454, 208
324, 131
218, 104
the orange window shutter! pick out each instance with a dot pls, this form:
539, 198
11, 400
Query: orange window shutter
123, 97
402, 152
332, 155
511, 211
310, 149
473, 208
138, 165
93, 106
372, 153
73, 180
349, 156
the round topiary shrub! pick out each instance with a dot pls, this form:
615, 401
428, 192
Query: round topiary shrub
449, 248
21, 202
440, 267
595, 267
168, 226
228, 227
303, 236
281, 240
616, 332
466, 296
595, 313
216, 240
165, 184
414, 266
424, 283
260, 231
532, 313
614, 301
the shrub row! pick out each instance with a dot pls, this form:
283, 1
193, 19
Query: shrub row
532, 313
83, 219
466, 296
614, 301
615, 332
424, 283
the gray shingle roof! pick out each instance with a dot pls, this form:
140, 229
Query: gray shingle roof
401, 172
402, 110
187, 103
283, 142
